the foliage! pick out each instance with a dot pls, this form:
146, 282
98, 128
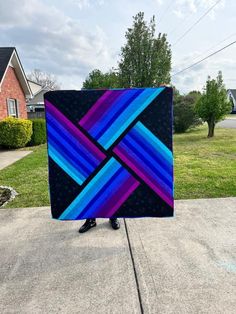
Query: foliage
46, 80
39, 132
96, 79
185, 116
145, 58
213, 105
14, 132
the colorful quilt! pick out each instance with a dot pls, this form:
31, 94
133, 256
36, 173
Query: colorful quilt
110, 153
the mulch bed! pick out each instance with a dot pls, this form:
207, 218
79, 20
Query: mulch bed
5, 195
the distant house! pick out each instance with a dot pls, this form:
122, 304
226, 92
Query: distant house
36, 103
232, 97
14, 86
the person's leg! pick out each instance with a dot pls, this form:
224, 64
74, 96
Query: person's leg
114, 223
89, 223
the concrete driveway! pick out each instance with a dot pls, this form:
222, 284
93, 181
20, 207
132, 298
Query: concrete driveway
185, 264
229, 123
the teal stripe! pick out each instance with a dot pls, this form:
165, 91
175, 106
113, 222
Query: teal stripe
155, 141
91, 189
128, 116
63, 163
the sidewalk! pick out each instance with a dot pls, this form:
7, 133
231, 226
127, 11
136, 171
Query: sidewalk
8, 157
185, 264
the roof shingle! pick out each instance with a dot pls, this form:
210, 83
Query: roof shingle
5, 55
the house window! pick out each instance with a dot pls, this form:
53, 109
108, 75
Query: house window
12, 108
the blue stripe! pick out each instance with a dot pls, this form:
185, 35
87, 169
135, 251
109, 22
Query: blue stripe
72, 140
64, 146
128, 116
114, 111
65, 165
90, 189
155, 141
146, 170
109, 188
70, 159
146, 161
149, 148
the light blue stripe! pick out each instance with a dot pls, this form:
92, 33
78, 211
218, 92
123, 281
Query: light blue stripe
128, 116
115, 107
109, 192
71, 161
147, 158
146, 170
72, 172
79, 203
155, 141
70, 149
70, 138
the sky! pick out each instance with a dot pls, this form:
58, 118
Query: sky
70, 38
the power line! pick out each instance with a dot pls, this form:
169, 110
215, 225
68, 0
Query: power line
200, 61
198, 21
211, 48
165, 11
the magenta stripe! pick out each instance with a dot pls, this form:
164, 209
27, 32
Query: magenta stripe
157, 189
74, 130
98, 109
103, 110
119, 198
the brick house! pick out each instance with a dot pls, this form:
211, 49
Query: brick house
14, 87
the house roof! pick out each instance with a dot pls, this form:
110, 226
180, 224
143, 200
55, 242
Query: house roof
9, 56
5, 56
233, 92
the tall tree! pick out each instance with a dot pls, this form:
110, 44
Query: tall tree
97, 79
213, 104
145, 58
46, 80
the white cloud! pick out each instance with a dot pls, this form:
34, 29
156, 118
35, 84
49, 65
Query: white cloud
49, 40
186, 7
87, 3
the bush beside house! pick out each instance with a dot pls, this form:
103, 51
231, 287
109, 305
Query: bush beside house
15, 133
39, 132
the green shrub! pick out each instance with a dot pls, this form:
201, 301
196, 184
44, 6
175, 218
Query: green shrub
14, 132
185, 116
39, 132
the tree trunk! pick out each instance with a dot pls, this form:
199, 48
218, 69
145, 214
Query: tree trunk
211, 128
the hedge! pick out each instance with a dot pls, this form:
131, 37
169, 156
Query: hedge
39, 132
15, 132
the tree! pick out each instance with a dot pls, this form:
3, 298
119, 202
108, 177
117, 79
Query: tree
46, 80
185, 116
97, 79
213, 104
145, 58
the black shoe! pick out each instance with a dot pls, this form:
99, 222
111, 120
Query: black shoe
89, 223
115, 223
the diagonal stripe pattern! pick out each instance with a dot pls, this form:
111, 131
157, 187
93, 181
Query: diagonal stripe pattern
139, 157
112, 115
104, 194
148, 157
69, 147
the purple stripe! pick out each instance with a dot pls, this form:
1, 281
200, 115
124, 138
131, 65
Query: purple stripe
99, 109
167, 198
75, 131
118, 198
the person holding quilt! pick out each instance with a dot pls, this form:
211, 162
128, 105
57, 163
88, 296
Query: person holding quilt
90, 223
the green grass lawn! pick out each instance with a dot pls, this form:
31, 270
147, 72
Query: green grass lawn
203, 168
